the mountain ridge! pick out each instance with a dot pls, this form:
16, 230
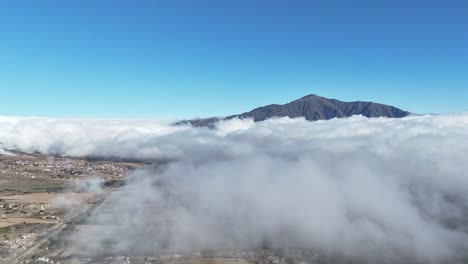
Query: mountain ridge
312, 107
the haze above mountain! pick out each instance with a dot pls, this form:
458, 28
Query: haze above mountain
312, 107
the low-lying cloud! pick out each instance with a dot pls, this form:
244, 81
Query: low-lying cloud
377, 190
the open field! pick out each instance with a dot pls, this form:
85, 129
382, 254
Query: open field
14, 221
11, 187
47, 198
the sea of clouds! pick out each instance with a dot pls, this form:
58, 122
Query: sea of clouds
375, 190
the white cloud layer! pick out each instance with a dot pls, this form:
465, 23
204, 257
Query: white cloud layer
377, 190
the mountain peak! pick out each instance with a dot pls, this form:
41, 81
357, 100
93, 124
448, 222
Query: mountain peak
309, 96
312, 107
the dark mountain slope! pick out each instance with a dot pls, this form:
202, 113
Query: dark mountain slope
312, 107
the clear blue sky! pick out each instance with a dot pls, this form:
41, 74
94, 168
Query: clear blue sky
178, 59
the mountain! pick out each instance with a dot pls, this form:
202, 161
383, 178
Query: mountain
311, 107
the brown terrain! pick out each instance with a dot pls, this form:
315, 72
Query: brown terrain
41, 205
39, 192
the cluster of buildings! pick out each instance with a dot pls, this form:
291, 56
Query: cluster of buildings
41, 166
20, 241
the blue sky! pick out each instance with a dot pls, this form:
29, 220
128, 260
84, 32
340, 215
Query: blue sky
179, 59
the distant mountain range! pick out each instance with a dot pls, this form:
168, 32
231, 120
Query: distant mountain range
311, 107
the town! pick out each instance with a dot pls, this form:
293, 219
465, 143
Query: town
37, 192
